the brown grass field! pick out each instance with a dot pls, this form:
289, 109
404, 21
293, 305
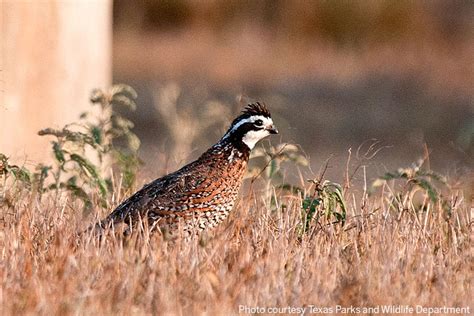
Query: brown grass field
412, 253
335, 74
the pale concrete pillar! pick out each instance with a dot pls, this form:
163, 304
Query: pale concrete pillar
53, 53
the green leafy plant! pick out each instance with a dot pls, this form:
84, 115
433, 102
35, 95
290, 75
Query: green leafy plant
20, 174
327, 197
115, 131
69, 149
83, 150
327, 200
413, 179
13, 180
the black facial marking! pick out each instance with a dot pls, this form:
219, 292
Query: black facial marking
236, 136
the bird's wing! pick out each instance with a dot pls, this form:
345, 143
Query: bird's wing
161, 194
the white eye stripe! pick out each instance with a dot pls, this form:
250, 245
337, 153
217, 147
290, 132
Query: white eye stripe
250, 141
266, 121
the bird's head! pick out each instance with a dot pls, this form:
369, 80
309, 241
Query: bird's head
253, 124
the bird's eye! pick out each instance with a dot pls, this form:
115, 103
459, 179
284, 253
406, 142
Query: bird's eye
258, 122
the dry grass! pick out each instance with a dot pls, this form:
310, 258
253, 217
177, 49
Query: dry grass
257, 258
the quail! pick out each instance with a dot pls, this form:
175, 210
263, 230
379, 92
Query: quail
201, 194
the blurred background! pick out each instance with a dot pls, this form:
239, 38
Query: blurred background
337, 75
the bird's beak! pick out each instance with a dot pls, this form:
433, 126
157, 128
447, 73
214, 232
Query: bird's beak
272, 130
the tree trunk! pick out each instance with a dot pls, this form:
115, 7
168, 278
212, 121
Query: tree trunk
53, 54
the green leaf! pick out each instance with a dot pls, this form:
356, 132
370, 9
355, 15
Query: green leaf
339, 198
85, 164
129, 164
391, 176
78, 192
273, 168
79, 138
91, 171
429, 189
22, 174
96, 132
310, 204
432, 175
58, 152
42, 172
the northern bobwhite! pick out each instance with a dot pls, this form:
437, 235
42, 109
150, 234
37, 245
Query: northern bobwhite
201, 194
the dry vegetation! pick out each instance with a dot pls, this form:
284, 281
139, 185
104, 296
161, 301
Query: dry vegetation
409, 253
403, 239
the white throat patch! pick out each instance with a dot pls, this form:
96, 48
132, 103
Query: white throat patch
252, 137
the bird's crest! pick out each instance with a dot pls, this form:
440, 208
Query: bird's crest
256, 108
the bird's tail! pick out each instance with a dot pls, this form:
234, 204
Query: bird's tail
119, 215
